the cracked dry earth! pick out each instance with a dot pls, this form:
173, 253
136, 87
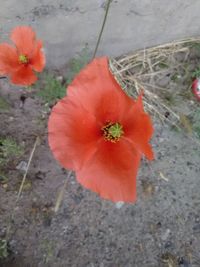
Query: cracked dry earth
161, 229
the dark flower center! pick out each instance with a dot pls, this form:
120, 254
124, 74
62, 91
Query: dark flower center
112, 131
23, 59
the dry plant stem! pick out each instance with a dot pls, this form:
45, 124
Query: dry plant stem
102, 28
61, 194
28, 165
21, 187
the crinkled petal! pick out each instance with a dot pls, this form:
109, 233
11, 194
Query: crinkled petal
8, 59
93, 99
37, 60
23, 76
24, 40
96, 80
73, 134
138, 129
112, 171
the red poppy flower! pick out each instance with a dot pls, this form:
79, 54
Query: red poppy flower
196, 88
101, 133
20, 62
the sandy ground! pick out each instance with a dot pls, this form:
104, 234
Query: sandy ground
161, 229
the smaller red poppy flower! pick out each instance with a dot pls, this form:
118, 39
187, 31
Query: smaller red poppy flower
196, 88
101, 133
20, 62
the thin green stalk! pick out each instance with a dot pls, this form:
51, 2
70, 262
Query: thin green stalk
102, 28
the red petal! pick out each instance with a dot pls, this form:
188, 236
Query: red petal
138, 129
24, 39
38, 61
96, 89
24, 76
8, 59
112, 171
73, 134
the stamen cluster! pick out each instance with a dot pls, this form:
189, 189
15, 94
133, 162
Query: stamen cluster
112, 132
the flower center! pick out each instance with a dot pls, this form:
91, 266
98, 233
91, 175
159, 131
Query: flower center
112, 132
23, 59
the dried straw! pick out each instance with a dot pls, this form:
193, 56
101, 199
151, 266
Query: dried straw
140, 71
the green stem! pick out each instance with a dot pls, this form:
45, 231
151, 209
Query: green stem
102, 28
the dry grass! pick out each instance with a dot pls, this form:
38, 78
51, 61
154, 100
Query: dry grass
142, 70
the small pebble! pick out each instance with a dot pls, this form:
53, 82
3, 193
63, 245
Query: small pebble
40, 175
22, 101
168, 245
196, 228
166, 235
11, 119
197, 219
119, 204
182, 262
59, 79
159, 224
22, 166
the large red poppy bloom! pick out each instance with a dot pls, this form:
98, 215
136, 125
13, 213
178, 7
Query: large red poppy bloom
20, 62
101, 133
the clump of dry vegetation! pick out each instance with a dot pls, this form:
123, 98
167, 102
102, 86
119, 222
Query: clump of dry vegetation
164, 73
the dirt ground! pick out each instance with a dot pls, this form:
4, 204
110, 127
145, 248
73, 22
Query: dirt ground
161, 229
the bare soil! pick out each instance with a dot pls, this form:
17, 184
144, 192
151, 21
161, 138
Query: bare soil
161, 229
